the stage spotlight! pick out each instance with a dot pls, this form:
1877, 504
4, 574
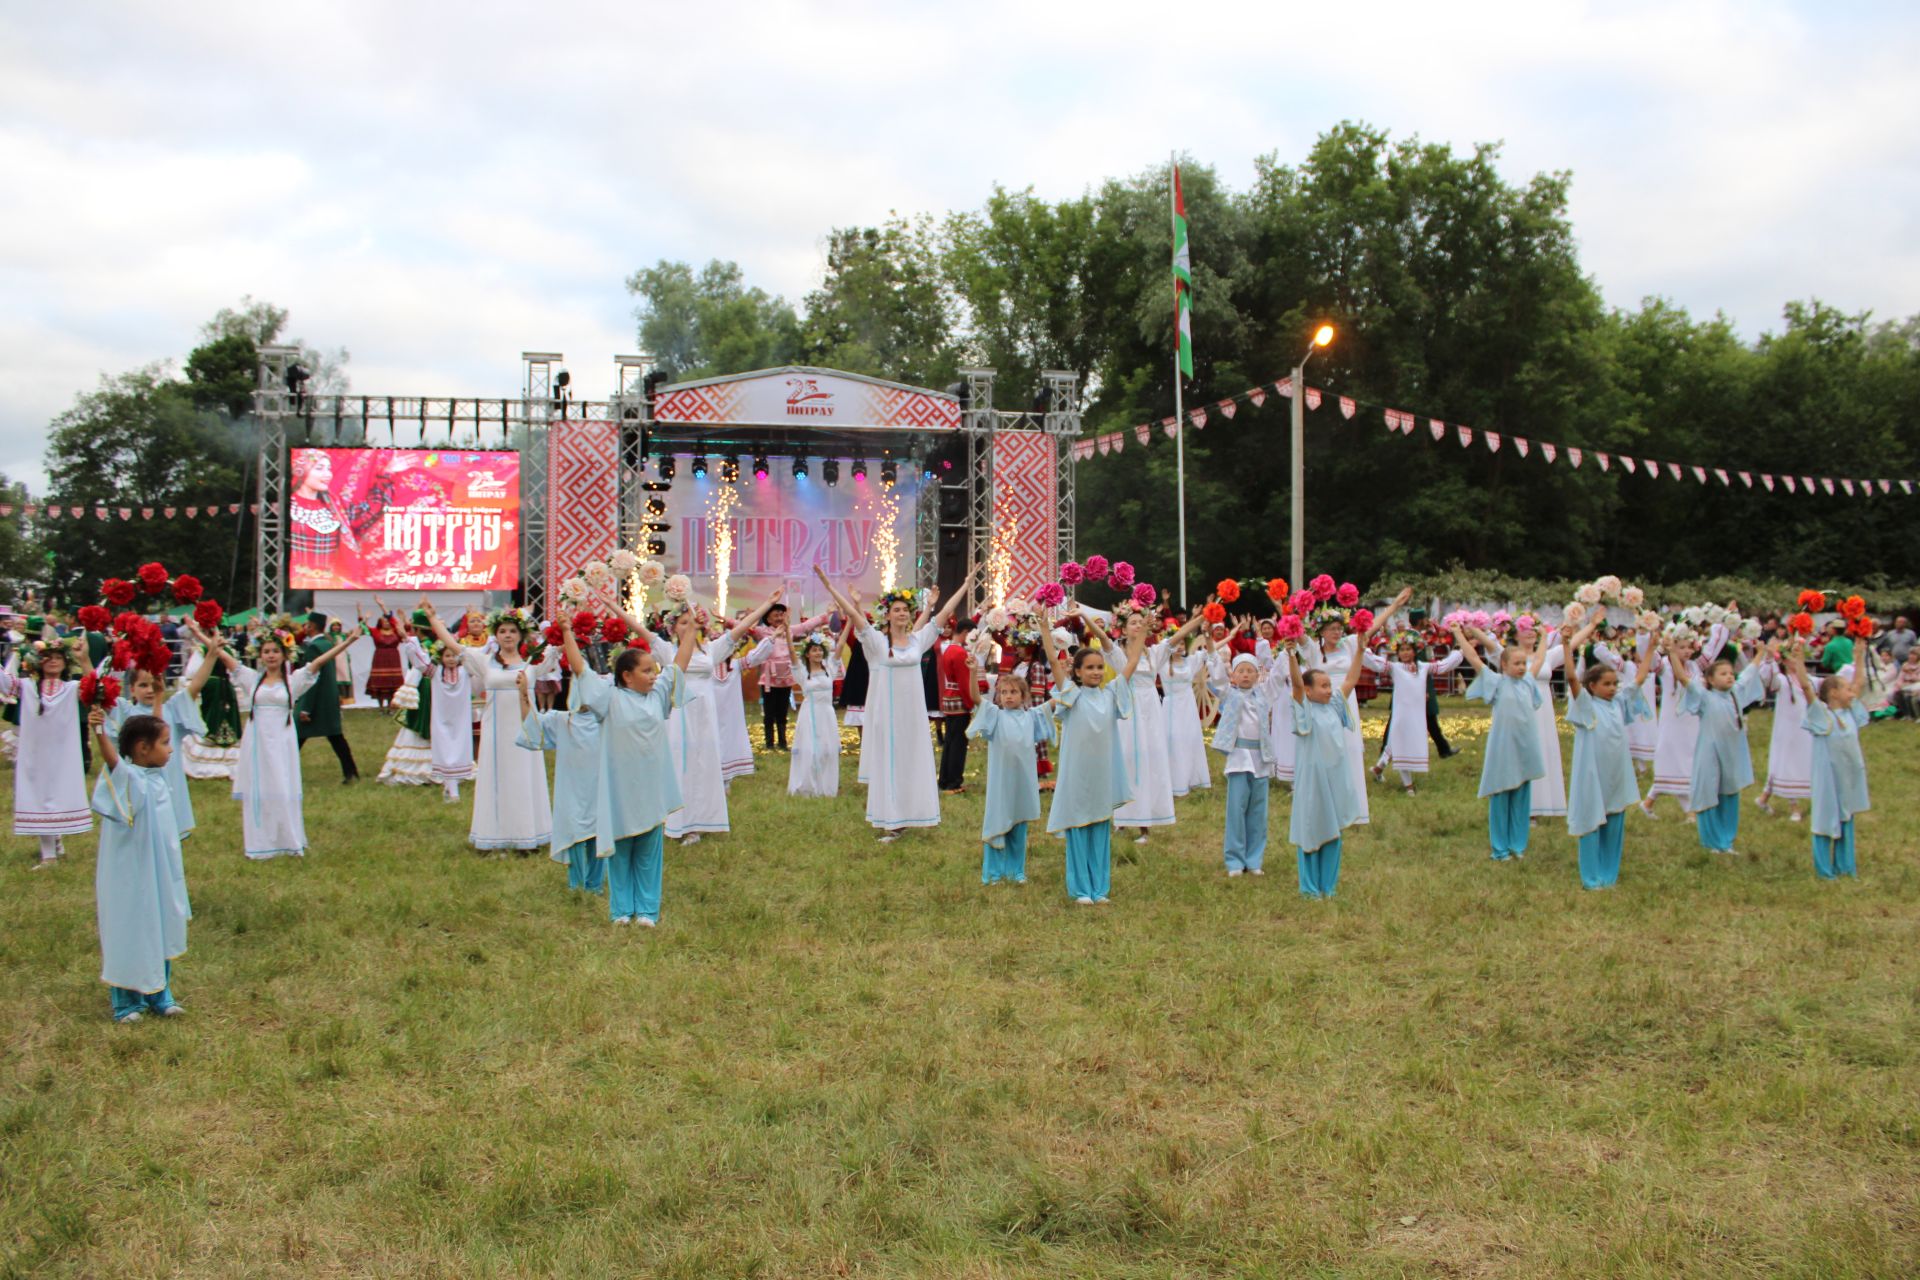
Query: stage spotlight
759, 466
666, 467
730, 468
800, 468
562, 393
927, 469
656, 546
830, 471
889, 474
961, 392
700, 468
859, 468
656, 510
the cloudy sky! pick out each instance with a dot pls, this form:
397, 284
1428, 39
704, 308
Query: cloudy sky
437, 187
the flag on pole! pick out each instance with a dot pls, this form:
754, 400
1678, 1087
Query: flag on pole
1182, 279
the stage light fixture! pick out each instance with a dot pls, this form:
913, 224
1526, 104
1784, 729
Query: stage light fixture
889, 474
297, 379
700, 468
759, 466
926, 468
666, 467
656, 509
963, 393
859, 468
656, 546
800, 468
730, 468
830, 471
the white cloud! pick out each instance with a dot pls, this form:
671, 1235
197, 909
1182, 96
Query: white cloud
436, 189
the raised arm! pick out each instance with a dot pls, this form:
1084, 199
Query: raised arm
846, 606
1386, 615
1472, 651
1299, 680
1055, 663
686, 633
1681, 668
1353, 672
97, 721
1193, 624
1797, 669
569, 646
526, 694
211, 651
346, 639
946, 610
752, 620
439, 628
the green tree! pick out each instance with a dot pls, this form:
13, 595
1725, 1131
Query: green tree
883, 309
700, 326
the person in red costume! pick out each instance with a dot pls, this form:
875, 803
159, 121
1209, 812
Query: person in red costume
319, 525
957, 696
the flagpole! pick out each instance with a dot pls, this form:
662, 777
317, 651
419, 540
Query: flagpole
1179, 417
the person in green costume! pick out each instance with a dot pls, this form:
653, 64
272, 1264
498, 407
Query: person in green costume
320, 706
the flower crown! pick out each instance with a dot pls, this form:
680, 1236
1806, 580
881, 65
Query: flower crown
519, 617
1325, 613
1405, 635
905, 595
32, 654
283, 635
816, 640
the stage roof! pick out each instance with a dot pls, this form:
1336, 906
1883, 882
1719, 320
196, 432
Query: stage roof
797, 398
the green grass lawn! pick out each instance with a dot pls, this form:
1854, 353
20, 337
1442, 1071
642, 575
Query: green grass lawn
841, 1058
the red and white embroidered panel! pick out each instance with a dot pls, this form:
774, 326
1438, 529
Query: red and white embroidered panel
1025, 489
583, 496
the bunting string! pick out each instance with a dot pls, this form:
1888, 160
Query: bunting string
1550, 452
83, 511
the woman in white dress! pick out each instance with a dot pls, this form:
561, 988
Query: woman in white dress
409, 761
1790, 748
1333, 651
730, 712
266, 778
1186, 668
814, 767
49, 778
1409, 679
511, 806
896, 747
449, 694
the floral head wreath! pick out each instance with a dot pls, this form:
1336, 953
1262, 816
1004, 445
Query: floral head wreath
1326, 613
816, 640
282, 635
905, 595
1405, 636
33, 653
520, 618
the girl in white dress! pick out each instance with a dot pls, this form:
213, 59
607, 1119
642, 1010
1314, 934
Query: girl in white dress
266, 779
511, 806
49, 778
1331, 649
450, 719
814, 767
1186, 670
896, 747
409, 761
1789, 748
1405, 748
730, 713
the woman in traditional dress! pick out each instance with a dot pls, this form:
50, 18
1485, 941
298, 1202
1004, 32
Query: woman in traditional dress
511, 806
1184, 674
896, 751
1091, 783
386, 673
49, 775
1405, 748
730, 713
813, 768
409, 761
266, 780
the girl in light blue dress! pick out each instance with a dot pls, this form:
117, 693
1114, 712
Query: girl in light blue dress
1012, 731
1092, 778
140, 883
1602, 783
1325, 789
573, 735
1513, 758
1835, 717
1722, 760
147, 695
638, 786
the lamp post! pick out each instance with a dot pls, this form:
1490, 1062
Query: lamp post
1321, 337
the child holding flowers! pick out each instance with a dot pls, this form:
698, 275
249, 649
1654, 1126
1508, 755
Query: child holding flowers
1512, 759
1327, 611
1834, 719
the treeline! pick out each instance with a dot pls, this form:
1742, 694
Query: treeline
1457, 294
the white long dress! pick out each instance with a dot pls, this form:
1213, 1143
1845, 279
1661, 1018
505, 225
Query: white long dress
409, 761
1643, 732
450, 723
730, 715
897, 748
1279, 717
511, 807
693, 740
1679, 732
266, 779
1186, 740
49, 778
1336, 665
1144, 745
1405, 750
1789, 748
814, 767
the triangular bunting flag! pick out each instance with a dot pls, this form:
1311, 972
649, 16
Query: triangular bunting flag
6, 508
1170, 426
1790, 485
1105, 443
146, 513
1885, 486
253, 508
1806, 482
1575, 453
1606, 461
1198, 417
1313, 397
100, 513
1722, 476
1699, 473
1746, 478
1906, 487
1493, 440
125, 513
1624, 461
1549, 449
1826, 482
1258, 395
1284, 386
1767, 480
192, 512
233, 508
1848, 486
1673, 469
1465, 433
1347, 407
1226, 408
1143, 433
1520, 444
170, 510
1438, 428
1119, 441
1392, 418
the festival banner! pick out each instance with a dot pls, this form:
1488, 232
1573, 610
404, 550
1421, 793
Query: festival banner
403, 520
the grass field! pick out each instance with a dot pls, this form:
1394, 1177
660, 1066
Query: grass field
838, 1058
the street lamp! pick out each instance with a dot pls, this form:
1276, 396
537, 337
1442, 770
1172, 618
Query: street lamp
1322, 336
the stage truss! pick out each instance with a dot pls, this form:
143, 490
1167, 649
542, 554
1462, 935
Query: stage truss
522, 424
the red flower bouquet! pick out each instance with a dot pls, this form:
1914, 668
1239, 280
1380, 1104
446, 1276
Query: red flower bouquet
118, 592
94, 618
99, 690
153, 577
187, 589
